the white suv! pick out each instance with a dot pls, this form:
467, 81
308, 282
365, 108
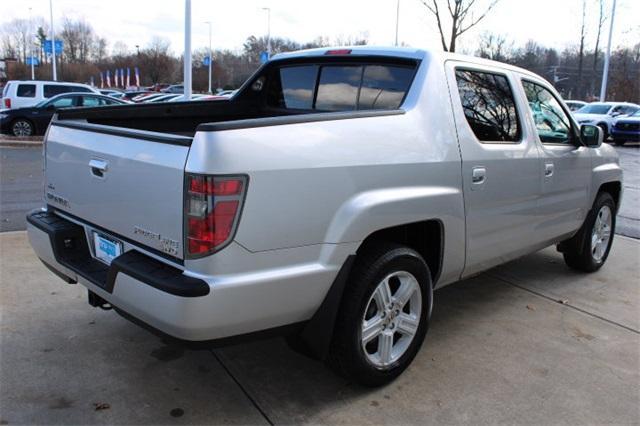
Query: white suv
26, 93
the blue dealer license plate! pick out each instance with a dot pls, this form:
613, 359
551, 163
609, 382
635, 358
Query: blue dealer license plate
106, 249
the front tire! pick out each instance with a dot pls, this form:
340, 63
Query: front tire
588, 250
619, 142
605, 131
21, 127
383, 316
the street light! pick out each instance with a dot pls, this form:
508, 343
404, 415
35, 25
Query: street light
210, 56
268, 9
138, 49
397, 20
187, 50
605, 74
33, 72
53, 42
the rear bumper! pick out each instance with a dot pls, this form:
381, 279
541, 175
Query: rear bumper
629, 135
184, 306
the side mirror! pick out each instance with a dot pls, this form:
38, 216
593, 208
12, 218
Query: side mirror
591, 135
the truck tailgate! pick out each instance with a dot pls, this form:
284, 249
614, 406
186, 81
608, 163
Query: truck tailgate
128, 182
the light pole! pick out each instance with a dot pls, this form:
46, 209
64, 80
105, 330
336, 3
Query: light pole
397, 19
210, 56
268, 9
33, 72
187, 50
605, 74
53, 42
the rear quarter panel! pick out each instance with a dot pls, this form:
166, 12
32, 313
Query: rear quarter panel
336, 182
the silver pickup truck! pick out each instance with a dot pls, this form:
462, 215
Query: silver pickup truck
325, 201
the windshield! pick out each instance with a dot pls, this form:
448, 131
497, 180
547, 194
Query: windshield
594, 109
635, 114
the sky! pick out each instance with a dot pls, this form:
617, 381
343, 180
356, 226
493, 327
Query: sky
552, 23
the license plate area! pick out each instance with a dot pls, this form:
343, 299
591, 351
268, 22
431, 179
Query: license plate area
105, 248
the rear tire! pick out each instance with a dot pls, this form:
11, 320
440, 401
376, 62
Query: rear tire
22, 127
588, 250
619, 142
384, 315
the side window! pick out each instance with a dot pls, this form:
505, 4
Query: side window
489, 106
338, 88
80, 89
90, 101
55, 89
63, 102
552, 123
26, 91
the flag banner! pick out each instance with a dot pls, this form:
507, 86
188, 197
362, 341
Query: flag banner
92, 82
101, 80
137, 71
128, 76
108, 73
115, 78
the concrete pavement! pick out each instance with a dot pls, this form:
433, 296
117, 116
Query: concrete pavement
501, 349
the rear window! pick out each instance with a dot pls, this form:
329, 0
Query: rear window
339, 87
26, 91
489, 106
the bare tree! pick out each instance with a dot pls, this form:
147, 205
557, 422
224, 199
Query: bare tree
495, 47
78, 37
461, 15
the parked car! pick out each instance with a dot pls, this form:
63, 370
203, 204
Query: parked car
130, 94
110, 92
602, 114
34, 120
146, 97
325, 201
575, 105
26, 93
166, 97
174, 88
626, 129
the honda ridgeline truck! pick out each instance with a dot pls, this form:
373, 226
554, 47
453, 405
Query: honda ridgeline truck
326, 200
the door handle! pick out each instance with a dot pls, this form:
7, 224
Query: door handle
548, 169
98, 167
478, 175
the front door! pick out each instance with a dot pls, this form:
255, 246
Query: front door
565, 164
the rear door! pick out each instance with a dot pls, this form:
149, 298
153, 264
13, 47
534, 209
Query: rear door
129, 183
500, 165
564, 162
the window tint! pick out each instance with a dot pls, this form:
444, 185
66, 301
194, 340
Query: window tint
90, 101
338, 88
552, 123
26, 90
80, 89
295, 87
384, 87
595, 109
64, 102
489, 106
56, 89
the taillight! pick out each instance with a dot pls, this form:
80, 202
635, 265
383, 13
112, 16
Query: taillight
212, 210
7, 102
338, 52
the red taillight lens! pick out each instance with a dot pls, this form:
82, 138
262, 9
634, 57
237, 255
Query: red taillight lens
338, 52
7, 102
212, 209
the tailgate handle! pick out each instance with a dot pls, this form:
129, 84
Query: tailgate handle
98, 167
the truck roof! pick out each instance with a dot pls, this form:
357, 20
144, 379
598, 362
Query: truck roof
399, 52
